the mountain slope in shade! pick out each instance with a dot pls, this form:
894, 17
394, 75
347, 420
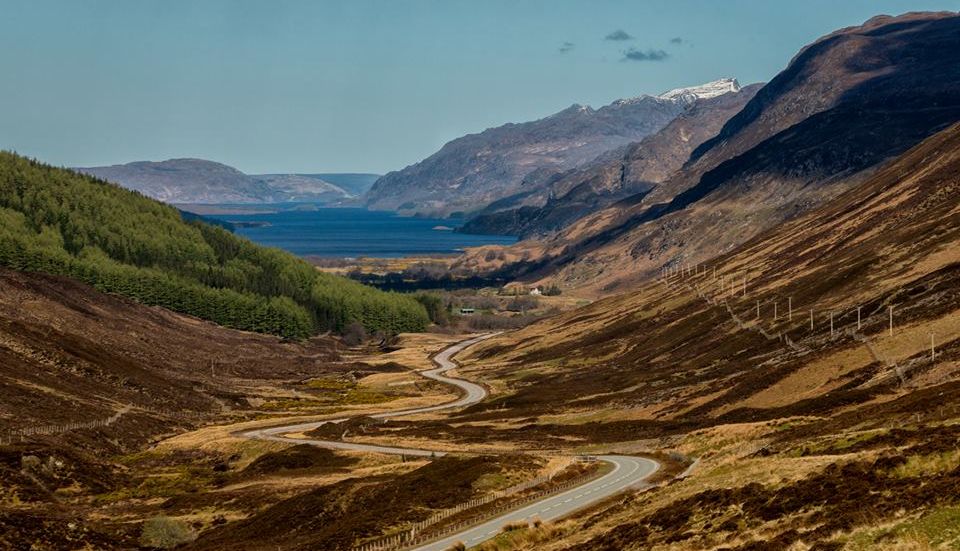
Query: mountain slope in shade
200, 181
477, 169
635, 169
845, 104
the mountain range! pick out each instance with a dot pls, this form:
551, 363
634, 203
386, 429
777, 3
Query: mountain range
200, 181
475, 170
844, 106
628, 171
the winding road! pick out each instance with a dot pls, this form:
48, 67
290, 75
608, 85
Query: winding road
627, 471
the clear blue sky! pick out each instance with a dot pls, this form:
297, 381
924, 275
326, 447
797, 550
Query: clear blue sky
325, 86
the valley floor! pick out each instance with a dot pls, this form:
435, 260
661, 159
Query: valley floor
846, 480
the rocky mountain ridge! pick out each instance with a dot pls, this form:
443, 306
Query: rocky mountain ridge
475, 170
628, 172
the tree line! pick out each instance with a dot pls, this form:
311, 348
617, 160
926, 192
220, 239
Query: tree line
57, 221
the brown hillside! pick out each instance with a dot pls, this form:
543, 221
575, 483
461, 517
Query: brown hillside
69, 353
892, 241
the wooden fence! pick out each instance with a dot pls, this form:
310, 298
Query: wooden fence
415, 536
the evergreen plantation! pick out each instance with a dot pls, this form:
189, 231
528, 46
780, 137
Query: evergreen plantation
57, 221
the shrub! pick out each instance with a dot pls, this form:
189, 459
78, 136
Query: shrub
435, 307
354, 334
551, 291
511, 526
490, 322
165, 533
523, 303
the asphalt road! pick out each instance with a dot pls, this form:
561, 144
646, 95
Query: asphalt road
472, 393
627, 471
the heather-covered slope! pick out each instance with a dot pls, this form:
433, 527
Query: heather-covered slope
824, 432
70, 353
892, 241
844, 106
92, 380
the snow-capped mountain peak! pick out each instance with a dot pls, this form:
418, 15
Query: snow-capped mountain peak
703, 91
686, 95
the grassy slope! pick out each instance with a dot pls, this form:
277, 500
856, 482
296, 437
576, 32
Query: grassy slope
800, 445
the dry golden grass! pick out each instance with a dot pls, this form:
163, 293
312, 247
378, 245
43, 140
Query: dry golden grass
814, 379
912, 339
517, 536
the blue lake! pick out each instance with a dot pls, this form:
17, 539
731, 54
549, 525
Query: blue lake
353, 232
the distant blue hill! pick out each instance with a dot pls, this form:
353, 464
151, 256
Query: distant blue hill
356, 183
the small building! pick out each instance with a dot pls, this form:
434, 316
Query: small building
467, 311
536, 291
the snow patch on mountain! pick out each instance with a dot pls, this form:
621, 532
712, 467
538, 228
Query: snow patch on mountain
686, 95
703, 91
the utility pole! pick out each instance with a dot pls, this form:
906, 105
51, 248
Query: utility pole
758, 309
744, 285
858, 318
891, 320
789, 308
933, 353
774, 310
811, 319
831, 324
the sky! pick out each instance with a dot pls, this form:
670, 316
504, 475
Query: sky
362, 85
